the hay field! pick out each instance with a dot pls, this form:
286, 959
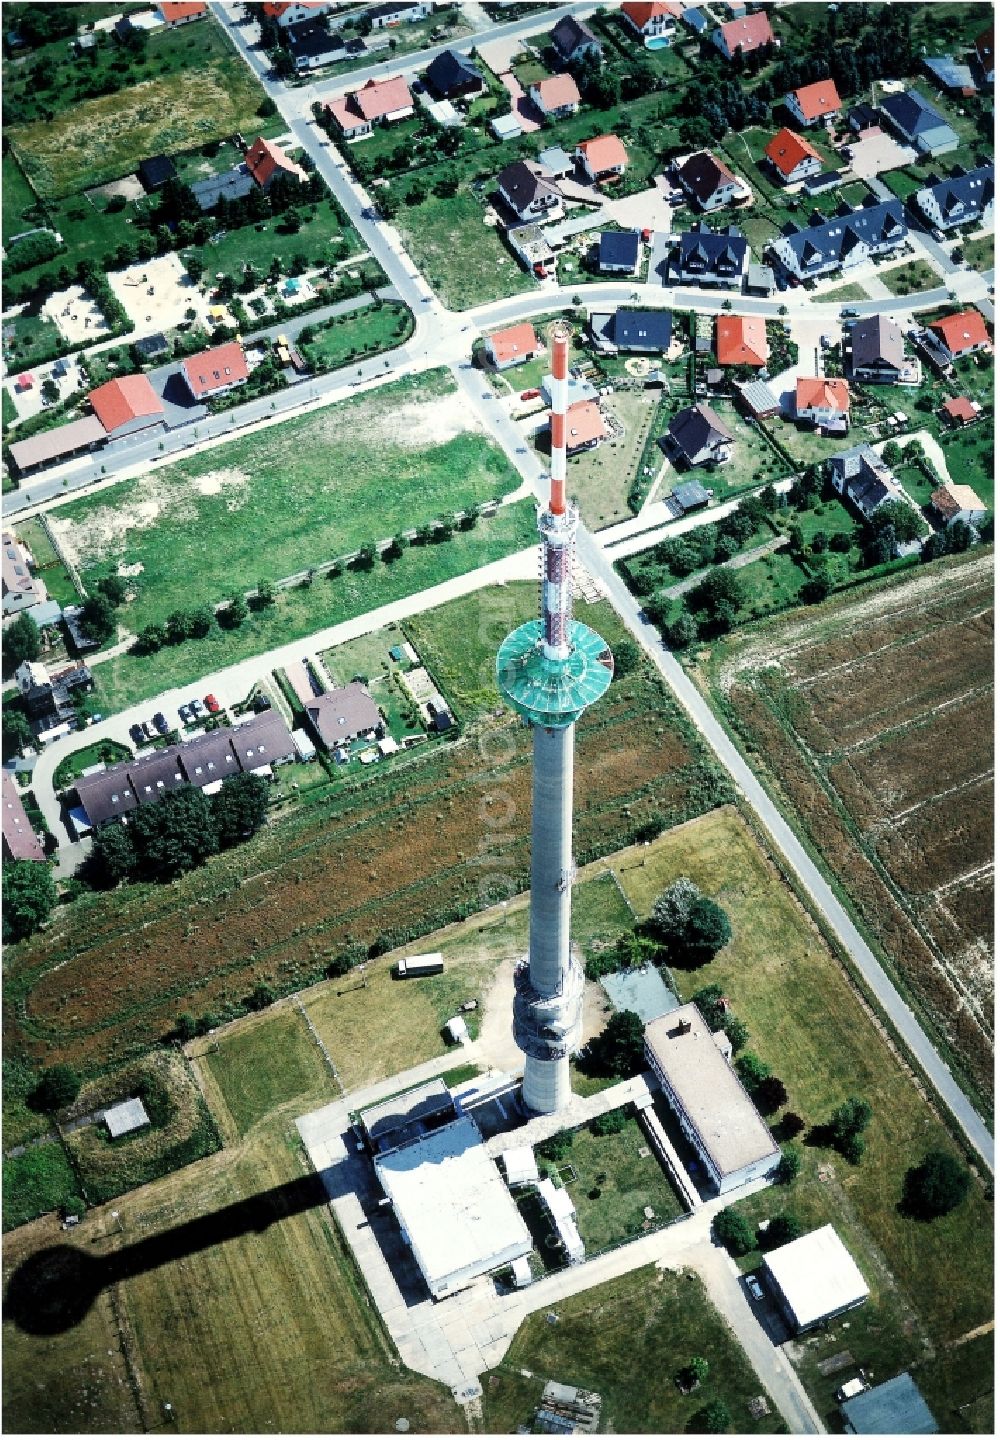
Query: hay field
101, 139
876, 718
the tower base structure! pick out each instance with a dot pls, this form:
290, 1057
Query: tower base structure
546, 1087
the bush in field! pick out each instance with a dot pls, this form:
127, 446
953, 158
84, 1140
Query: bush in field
734, 1231
934, 1187
58, 1086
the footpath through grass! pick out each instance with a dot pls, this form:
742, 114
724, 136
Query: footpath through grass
627, 1340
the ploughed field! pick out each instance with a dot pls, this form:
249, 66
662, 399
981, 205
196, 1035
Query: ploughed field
876, 717
393, 855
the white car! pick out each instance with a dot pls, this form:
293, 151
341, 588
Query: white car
755, 1287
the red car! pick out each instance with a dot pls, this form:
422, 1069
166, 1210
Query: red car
530, 394
212, 705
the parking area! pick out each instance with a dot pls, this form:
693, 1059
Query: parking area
876, 152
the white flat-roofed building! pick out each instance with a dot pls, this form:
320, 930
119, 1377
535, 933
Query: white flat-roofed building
814, 1278
562, 1211
712, 1107
124, 1118
454, 1210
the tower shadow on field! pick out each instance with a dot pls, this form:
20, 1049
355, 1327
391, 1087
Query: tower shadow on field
53, 1290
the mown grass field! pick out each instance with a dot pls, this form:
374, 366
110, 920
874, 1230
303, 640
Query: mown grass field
41, 1179
124, 680
627, 1339
269, 1060
382, 860
806, 1022
243, 1312
613, 1186
375, 328
317, 487
463, 258
854, 734
206, 93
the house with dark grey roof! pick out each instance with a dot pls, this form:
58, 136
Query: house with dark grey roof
450, 75
529, 192
950, 75
634, 332
312, 45
863, 117
842, 242
151, 347
155, 172
572, 40
705, 257
960, 200
341, 715
709, 183
618, 252
916, 122
230, 185
861, 476
874, 351
696, 436
896, 1407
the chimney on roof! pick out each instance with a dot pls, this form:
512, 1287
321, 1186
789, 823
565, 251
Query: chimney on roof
683, 1027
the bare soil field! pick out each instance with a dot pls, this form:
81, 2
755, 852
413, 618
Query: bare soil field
875, 717
389, 857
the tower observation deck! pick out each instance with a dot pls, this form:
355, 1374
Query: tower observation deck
549, 671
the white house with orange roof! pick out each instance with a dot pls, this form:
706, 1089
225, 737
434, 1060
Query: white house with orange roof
127, 404
379, 102
267, 163
792, 158
651, 18
603, 158
556, 96
824, 403
286, 13
744, 35
513, 346
811, 104
181, 12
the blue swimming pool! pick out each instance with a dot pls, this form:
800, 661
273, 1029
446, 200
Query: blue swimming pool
657, 42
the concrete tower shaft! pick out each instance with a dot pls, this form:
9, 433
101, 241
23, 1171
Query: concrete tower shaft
550, 670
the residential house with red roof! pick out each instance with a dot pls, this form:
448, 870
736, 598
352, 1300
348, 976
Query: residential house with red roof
19, 840
812, 103
379, 102
585, 427
741, 340
744, 35
288, 13
603, 158
127, 404
650, 18
962, 334
181, 12
984, 56
958, 502
792, 158
556, 96
513, 346
959, 410
267, 163
215, 371
824, 403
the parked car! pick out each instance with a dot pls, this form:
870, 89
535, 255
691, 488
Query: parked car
755, 1287
260, 704
530, 394
184, 714
212, 705
148, 731
160, 721
196, 707
137, 734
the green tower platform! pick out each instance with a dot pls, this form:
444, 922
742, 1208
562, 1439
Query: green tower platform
553, 693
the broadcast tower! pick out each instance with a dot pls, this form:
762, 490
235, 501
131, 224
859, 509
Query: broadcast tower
550, 670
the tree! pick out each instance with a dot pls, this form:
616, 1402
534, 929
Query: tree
782, 1230
186, 1027
792, 1124
17, 731
29, 897
113, 588
200, 621
628, 657
770, 1095
709, 1000
58, 1086
265, 593
734, 1231
891, 453
150, 639
789, 1165
174, 835
902, 517
736, 1032
233, 615
707, 931
935, 1186
97, 618
682, 632
672, 908
618, 1050
261, 997
22, 641
50, 391
112, 857
713, 1418
239, 808
851, 1118
751, 1069
692, 1374
719, 596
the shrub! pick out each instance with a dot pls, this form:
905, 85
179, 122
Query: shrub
734, 1231
934, 1187
612, 1122
557, 1146
58, 1086
789, 1165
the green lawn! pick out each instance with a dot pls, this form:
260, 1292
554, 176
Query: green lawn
614, 1184
781, 979
41, 1179
846, 293
911, 278
980, 253
126, 679
463, 258
264, 1064
318, 487
34, 340
18, 199
107, 751
626, 1340
9, 408
320, 238
363, 332
193, 88
753, 461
